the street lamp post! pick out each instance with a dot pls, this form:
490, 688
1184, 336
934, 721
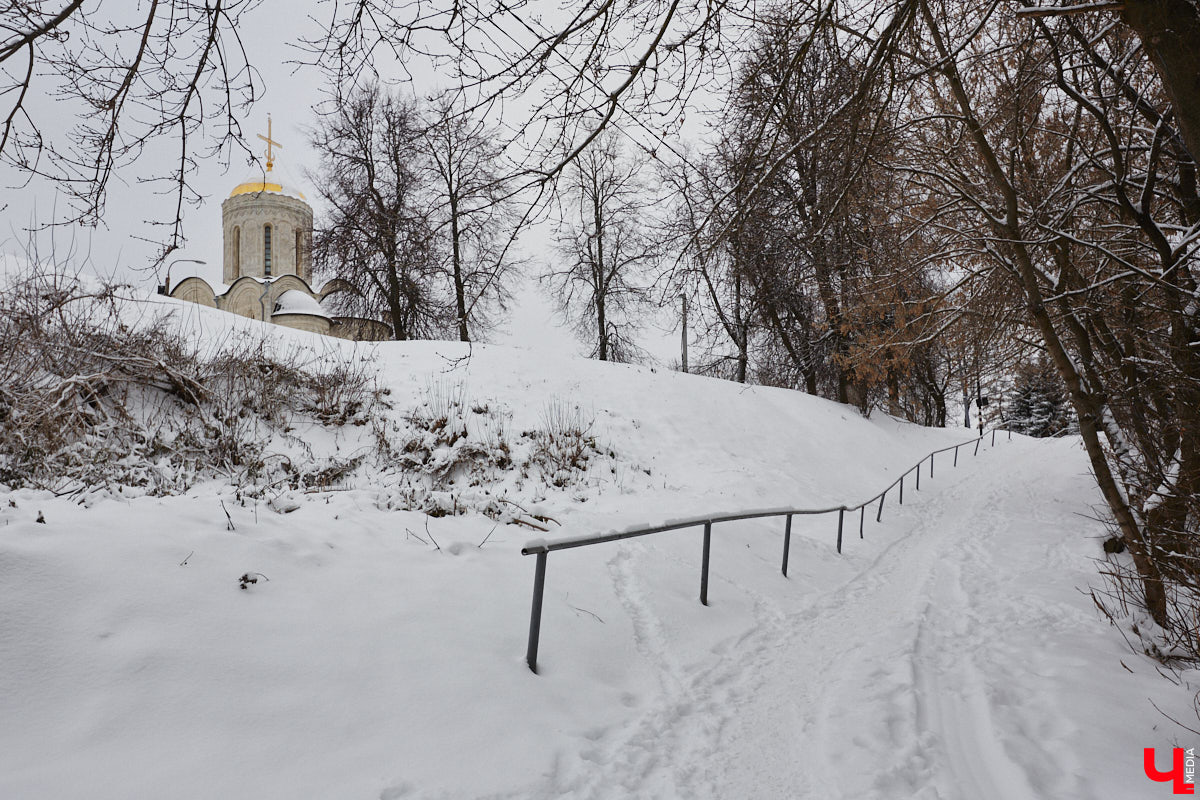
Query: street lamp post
166, 287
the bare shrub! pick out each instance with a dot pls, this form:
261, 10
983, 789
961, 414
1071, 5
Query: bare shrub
452, 446
458, 456
94, 393
565, 446
98, 391
1121, 596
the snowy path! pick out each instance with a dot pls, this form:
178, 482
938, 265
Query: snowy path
927, 673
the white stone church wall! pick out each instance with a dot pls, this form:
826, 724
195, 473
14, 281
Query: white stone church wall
251, 213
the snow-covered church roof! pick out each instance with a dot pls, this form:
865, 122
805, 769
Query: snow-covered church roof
294, 301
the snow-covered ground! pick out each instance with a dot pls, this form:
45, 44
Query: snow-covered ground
953, 652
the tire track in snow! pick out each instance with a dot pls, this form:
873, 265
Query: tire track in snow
922, 709
658, 756
952, 704
880, 687
971, 678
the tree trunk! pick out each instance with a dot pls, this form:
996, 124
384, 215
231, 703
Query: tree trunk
602, 329
1170, 34
460, 295
601, 277
893, 392
743, 357
743, 361
833, 315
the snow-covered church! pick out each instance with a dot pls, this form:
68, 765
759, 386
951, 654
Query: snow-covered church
267, 230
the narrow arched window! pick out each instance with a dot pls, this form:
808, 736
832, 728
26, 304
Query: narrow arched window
299, 245
267, 251
237, 252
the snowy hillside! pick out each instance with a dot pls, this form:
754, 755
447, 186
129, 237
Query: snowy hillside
953, 652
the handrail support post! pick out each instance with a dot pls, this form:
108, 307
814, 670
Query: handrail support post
535, 614
787, 542
704, 563
841, 516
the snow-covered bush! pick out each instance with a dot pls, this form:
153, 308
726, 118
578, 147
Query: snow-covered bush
97, 393
103, 391
450, 447
564, 447
455, 455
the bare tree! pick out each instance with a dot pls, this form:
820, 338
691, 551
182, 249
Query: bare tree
474, 210
1169, 31
808, 221
172, 69
605, 249
378, 235
703, 269
576, 70
1068, 177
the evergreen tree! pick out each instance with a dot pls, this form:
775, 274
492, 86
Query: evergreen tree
1040, 406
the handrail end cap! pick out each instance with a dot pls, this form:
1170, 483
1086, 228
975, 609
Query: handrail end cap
534, 547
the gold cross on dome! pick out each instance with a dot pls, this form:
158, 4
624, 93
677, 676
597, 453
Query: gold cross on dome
270, 142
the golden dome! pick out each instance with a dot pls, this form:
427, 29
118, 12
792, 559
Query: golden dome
257, 185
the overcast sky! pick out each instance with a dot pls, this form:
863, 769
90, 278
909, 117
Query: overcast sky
124, 246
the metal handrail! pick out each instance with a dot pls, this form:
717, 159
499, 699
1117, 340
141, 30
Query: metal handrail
542, 548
